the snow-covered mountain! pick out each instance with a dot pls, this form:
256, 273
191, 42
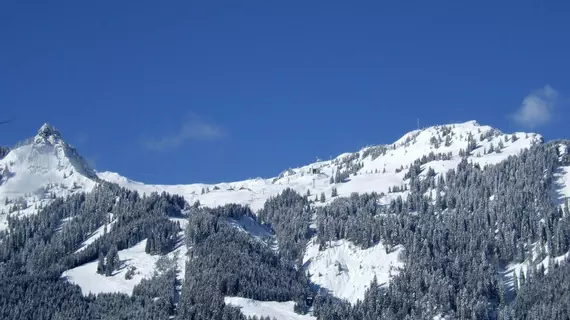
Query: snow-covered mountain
343, 268
46, 167
374, 168
39, 170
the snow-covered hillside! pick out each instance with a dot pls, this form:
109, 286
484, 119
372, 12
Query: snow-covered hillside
343, 268
274, 310
39, 170
89, 280
375, 168
46, 167
347, 270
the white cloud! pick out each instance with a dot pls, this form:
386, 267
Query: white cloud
537, 108
194, 129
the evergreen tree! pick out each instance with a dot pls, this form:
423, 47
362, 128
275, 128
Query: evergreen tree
112, 260
101, 264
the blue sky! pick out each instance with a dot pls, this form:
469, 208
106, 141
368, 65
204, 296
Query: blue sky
209, 91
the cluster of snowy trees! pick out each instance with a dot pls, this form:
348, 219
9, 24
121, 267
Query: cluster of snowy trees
225, 261
543, 296
375, 152
47, 296
39, 242
107, 264
458, 241
440, 156
358, 218
289, 215
347, 166
36, 249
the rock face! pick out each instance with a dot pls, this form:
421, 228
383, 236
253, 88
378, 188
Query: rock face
48, 142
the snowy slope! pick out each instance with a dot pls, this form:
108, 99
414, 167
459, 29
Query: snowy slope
347, 270
273, 309
44, 167
376, 173
89, 280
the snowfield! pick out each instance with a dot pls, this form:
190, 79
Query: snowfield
347, 270
90, 281
273, 309
86, 276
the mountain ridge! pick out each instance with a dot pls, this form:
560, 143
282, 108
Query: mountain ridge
371, 159
46, 166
